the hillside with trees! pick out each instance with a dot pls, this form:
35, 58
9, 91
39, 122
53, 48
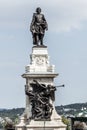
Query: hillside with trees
70, 109
11, 113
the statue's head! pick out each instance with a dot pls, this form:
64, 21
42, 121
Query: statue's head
38, 10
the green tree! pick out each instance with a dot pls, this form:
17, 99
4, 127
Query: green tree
66, 122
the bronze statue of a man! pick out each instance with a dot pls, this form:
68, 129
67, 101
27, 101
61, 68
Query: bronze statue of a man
38, 27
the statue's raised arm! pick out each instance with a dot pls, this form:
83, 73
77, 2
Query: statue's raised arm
38, 27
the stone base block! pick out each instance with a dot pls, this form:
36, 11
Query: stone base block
46, 125
47, 129
54, 124
42, 125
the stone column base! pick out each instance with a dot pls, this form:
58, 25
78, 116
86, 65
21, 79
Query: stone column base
54, 124
42, 125
46, 125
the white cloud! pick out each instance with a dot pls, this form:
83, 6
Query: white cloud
62, 15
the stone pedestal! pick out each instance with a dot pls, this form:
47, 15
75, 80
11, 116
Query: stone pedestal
40, 69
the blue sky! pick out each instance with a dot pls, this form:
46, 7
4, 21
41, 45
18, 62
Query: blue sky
67, 46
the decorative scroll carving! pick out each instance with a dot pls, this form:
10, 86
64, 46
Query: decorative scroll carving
39, 60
